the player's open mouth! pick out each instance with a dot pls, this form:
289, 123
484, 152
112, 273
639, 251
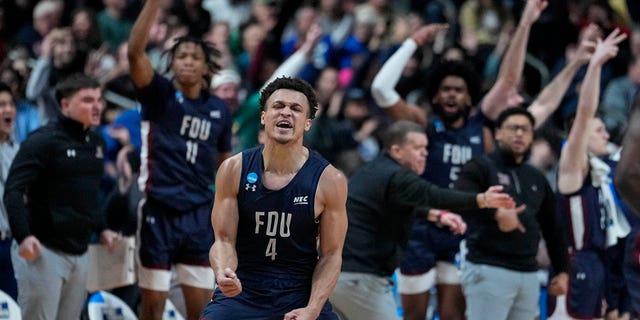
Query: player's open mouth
284, 125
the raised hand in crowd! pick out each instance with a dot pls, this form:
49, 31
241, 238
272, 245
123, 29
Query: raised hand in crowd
532, 11
311, 38
608, 48
428, 33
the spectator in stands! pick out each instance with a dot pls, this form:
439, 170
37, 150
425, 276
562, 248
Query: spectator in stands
113, 25
191, 13
58, 59
85, 30
27, 118
8, 149
44, 20
618, 99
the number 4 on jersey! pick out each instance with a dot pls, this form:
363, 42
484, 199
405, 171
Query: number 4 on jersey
271, 249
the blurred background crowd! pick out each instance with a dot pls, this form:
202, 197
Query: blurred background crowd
42, 41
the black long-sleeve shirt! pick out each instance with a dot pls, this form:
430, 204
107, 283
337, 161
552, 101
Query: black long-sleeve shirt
526, 185
380, 208
52, 188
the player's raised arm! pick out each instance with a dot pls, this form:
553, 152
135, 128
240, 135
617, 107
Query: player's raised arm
141, 68
574, 164
383, 86
504, 93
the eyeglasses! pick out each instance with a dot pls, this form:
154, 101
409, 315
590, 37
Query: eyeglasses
515, 127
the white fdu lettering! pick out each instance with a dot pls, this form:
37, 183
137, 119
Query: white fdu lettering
195, 128
278, 223
456, 154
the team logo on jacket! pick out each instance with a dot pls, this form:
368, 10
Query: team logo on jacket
503, 179
99, 152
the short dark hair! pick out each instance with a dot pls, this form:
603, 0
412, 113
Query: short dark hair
210, 55
462, 69
507, 113
398, 131
5, 88
74, 83
294, 84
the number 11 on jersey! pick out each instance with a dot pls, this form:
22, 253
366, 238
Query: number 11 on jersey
192, 151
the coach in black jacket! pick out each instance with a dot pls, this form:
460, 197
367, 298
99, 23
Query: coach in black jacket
51, 197
499, 273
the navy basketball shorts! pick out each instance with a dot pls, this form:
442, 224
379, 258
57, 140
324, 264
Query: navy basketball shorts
428, 244
168, 237
260, 304
586, 285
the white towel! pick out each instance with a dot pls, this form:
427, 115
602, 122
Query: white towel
617, 225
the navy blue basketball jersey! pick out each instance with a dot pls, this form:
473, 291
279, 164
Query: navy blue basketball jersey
449, 149
181, 140
585, 216
277, 229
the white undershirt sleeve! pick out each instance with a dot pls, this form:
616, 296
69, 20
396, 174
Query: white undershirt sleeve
383, 86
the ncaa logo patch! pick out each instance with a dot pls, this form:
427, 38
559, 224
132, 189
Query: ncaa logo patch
252, 177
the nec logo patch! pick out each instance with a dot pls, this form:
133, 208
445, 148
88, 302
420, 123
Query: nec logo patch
215, 114
300, 200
